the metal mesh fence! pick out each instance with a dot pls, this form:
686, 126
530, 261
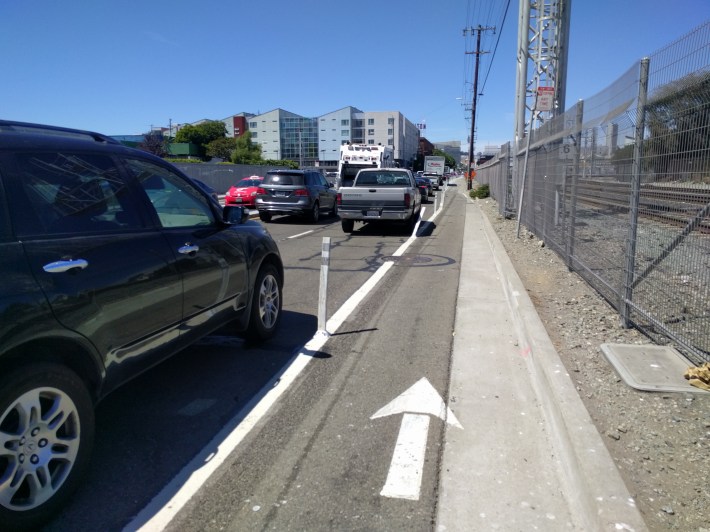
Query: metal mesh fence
619, 186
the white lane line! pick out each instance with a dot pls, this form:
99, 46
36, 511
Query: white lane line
301, 234
171, 499
404, 478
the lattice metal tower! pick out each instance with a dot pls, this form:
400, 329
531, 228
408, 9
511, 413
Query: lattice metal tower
543, 38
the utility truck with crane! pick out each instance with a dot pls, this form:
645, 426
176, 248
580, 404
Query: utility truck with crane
355, 157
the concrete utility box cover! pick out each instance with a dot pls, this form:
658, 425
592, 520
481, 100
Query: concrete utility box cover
651, 368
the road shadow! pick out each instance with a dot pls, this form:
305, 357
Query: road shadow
148, 430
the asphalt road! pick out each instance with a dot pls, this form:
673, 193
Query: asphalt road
318, 460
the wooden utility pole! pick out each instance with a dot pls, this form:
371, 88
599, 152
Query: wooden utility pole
471, 155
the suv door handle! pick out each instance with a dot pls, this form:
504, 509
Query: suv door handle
62, 266
188, 249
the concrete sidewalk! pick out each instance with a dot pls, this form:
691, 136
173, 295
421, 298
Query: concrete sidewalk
529, 456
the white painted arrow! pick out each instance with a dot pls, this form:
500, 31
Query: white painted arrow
404, 478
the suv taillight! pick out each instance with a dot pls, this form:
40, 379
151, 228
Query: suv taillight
300, 192
260, 190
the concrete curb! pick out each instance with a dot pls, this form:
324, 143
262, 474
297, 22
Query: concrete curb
579, 484
594, 482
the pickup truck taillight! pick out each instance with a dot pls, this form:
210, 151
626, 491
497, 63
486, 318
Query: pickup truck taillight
300, 192
339, 199
407, 199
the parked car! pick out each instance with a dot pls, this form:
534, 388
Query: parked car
424, 186
302, 192
244, 192
111, 260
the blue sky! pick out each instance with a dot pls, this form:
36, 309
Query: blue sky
120, 67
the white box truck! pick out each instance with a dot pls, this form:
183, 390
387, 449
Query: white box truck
434, 169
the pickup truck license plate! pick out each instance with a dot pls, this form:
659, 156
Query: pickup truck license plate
373, 213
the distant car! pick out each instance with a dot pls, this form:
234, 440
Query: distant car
244, 192
434, 178
301, 192
424, 186
112, 260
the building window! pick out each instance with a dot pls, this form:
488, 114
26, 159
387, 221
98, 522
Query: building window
345, 122
390, 120
370, 121
344, 132
253, 124
390, 131
390, 142
370, 131
371, 141
254, 134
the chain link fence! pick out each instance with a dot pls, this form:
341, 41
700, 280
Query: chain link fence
619, 187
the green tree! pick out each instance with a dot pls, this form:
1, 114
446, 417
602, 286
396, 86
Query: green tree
285, 163
449, 160
678, 122
202, 134
222, 148
245, 151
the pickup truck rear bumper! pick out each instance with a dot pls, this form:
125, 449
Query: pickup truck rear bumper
373, 214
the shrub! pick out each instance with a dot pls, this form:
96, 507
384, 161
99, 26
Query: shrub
480, 192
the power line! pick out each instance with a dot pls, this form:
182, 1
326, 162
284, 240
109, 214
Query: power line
505, 15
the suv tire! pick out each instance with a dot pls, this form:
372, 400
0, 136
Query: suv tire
264, 216
315, 213
266, 302
31, 398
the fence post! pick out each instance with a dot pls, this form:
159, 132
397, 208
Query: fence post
525, 172
635, 194
575, 178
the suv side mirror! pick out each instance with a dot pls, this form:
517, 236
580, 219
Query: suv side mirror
234, 214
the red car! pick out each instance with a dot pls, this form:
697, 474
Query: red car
244, 192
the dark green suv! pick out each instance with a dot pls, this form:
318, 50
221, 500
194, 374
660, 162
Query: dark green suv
111, 260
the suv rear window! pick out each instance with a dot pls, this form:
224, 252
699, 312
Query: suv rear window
283, 179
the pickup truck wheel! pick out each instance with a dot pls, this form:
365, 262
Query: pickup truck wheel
412, 221
265, 305
334, 210
47, 427
264, 216
348, 225
315, 213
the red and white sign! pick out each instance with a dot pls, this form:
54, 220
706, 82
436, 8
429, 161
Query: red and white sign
545, 98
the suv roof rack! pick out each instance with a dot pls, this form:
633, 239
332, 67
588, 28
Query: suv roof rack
26, 127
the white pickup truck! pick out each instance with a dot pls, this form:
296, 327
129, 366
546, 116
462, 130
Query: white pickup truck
380, 194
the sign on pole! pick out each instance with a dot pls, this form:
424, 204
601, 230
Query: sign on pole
545, 98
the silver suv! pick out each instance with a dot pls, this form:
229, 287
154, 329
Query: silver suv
301, 192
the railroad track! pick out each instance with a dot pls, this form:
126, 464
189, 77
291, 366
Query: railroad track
676, 205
